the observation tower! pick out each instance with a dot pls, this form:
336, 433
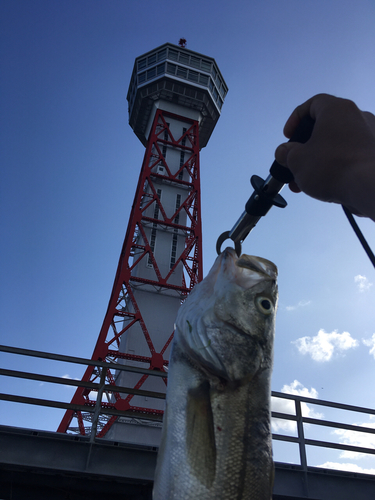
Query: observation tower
175, 98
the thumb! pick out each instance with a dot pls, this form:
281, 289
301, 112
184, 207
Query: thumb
281, 156
282, 153
290, 155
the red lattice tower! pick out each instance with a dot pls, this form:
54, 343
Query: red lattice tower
161, 258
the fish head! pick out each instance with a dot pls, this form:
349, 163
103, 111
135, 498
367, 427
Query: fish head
226, 325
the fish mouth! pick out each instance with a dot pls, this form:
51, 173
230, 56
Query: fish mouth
258, 265
246, 270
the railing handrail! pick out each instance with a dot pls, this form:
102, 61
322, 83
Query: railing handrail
322, 402
81, 361
101, 408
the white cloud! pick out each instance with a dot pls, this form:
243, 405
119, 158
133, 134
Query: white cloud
288, 406
346, 467
300, 390
301, 303
370, 343
363, 283
323, 345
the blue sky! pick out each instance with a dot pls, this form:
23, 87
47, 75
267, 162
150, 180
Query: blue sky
70, 164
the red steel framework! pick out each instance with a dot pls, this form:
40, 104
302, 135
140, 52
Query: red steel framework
119, 318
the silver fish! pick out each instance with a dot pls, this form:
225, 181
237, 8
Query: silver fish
216, 439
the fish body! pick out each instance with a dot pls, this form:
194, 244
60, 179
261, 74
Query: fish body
216, 439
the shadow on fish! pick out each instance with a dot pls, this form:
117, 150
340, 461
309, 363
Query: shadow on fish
216, 439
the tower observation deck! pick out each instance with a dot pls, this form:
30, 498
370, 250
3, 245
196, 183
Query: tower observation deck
175, 99
179, 80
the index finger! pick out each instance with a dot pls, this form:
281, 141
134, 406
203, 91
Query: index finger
308, 108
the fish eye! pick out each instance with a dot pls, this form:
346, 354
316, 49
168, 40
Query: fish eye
264, 305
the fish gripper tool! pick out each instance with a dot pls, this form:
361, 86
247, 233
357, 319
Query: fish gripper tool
266, 193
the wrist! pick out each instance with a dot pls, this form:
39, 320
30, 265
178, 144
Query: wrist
358, 189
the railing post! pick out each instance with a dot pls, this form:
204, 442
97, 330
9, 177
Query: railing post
301, 442
95, 417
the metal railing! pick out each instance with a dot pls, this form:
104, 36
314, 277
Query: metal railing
296, 416
99, 387
300, 420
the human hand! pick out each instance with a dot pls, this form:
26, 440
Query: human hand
337, 163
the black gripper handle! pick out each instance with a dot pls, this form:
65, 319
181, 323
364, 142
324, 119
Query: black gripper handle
301, 134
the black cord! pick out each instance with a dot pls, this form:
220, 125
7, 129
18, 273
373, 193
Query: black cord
358, 232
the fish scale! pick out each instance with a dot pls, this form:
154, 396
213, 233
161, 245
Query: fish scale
216, 440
